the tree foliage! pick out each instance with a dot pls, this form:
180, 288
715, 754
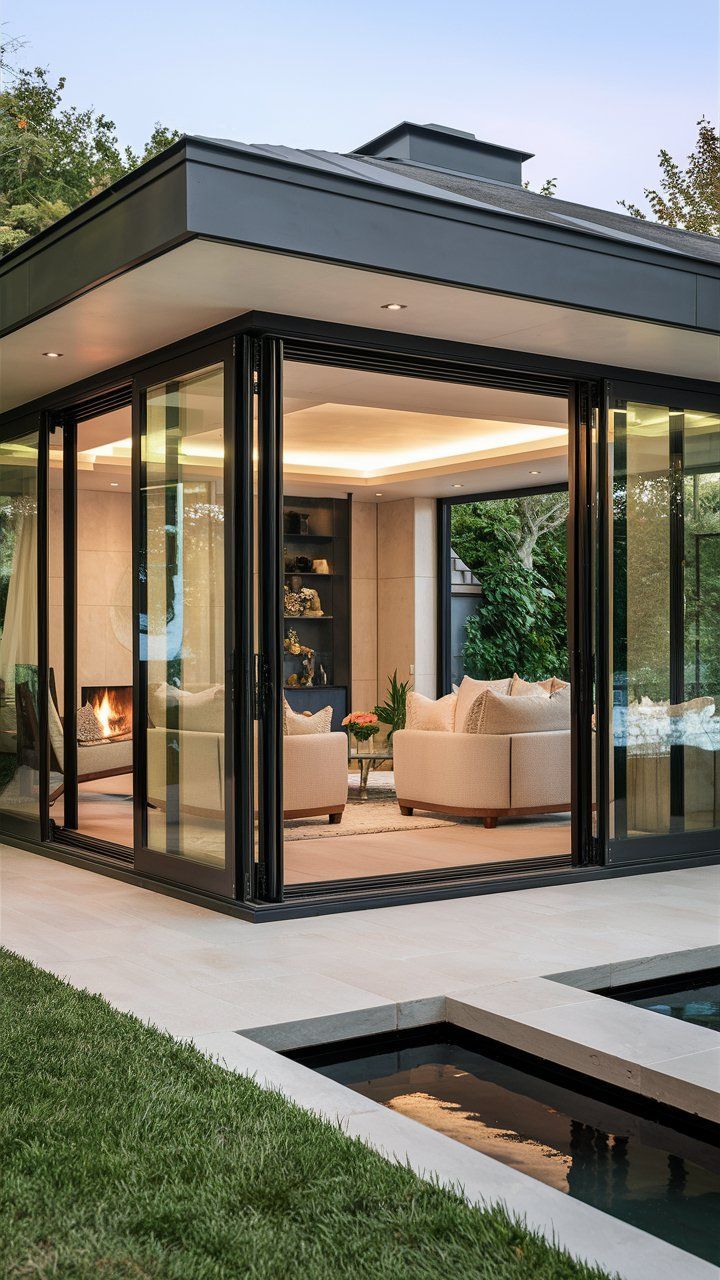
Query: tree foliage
516, 548
688, 198
53, 157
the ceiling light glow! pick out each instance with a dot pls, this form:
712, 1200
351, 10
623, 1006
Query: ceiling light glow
394, 306
52, 355
534, 473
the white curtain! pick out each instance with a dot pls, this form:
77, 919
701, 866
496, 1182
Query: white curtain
18, 641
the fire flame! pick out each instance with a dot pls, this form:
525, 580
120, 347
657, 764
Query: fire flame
110, 714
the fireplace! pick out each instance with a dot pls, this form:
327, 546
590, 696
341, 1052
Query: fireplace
112, 704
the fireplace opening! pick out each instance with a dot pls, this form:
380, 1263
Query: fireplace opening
112, 704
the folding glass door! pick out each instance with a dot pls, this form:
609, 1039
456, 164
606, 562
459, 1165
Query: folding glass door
662, 621
184, 620
21, 720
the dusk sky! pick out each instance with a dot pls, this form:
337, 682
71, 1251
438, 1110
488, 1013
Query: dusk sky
594, 90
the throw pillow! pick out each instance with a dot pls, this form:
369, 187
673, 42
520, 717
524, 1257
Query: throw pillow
295, 724
428, 713
525, 689
536, 713
469, 691
554, 685
202, 711
88, 725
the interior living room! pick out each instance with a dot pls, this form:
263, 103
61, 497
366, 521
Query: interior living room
426, 708
101, 631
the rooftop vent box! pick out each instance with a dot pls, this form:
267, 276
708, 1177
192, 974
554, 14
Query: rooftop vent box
438, 147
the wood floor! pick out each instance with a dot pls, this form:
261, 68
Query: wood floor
393, 852
105, 810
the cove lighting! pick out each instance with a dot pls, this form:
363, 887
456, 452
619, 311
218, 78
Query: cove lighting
394, 306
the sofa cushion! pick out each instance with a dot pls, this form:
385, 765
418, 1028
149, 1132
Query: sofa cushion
429, 713
537, 713
525, 688
468, 692
202, 711
554, 684
296, 724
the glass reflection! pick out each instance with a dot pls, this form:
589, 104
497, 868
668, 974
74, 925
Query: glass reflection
19, 730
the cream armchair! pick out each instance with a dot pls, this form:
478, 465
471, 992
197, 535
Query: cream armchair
479, 775
315, 775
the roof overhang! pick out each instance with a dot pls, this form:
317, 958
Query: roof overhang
206, 232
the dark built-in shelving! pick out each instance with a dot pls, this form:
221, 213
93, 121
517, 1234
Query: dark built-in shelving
327, 538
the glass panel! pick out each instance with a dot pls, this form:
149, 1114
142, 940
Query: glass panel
182, 640
508, 587
366, 457
19, 735
665, 619
56, 633
103, 694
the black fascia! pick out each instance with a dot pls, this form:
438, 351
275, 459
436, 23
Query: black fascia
208, 189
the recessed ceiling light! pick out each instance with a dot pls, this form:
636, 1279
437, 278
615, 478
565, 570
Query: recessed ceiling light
534, 473
393, 306
457, 486
52, 355
114, 484
378, 495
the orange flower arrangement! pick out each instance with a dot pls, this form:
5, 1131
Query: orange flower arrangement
362, 724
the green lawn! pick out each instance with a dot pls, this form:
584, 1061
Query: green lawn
128, 1155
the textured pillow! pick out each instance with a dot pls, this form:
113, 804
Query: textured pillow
426, 713
537, 713
88, 725
295, 724
202, 712
554, 685
525, 689
468, 692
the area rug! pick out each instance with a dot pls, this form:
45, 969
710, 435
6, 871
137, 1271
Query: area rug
379, 812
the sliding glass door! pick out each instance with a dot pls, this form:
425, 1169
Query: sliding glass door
184, 619
663, 624
21, 721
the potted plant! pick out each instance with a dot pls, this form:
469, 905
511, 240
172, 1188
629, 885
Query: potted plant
393, 711
363, 726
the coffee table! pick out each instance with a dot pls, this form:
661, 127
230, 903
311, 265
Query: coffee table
366, 761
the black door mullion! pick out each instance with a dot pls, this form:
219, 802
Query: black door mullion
70, 762
580, 614
271, 626
239, 485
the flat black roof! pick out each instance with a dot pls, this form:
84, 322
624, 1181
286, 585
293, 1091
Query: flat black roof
377, 214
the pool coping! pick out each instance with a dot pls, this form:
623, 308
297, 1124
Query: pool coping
588, 1234
559, 1017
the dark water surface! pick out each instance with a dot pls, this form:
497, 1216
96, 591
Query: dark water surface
636, 1168
695, 1000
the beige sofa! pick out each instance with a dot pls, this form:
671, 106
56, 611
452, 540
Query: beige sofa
485, 773
486, 776
315, 769
315, 775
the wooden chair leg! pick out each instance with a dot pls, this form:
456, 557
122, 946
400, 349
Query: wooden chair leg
335, 818
489, 823
406, 811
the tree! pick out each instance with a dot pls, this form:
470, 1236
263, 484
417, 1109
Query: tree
516, 548
54, 157
689, 198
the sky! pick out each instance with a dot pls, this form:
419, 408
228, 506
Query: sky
594, 89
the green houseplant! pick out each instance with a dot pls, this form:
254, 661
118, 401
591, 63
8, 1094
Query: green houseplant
393, 711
